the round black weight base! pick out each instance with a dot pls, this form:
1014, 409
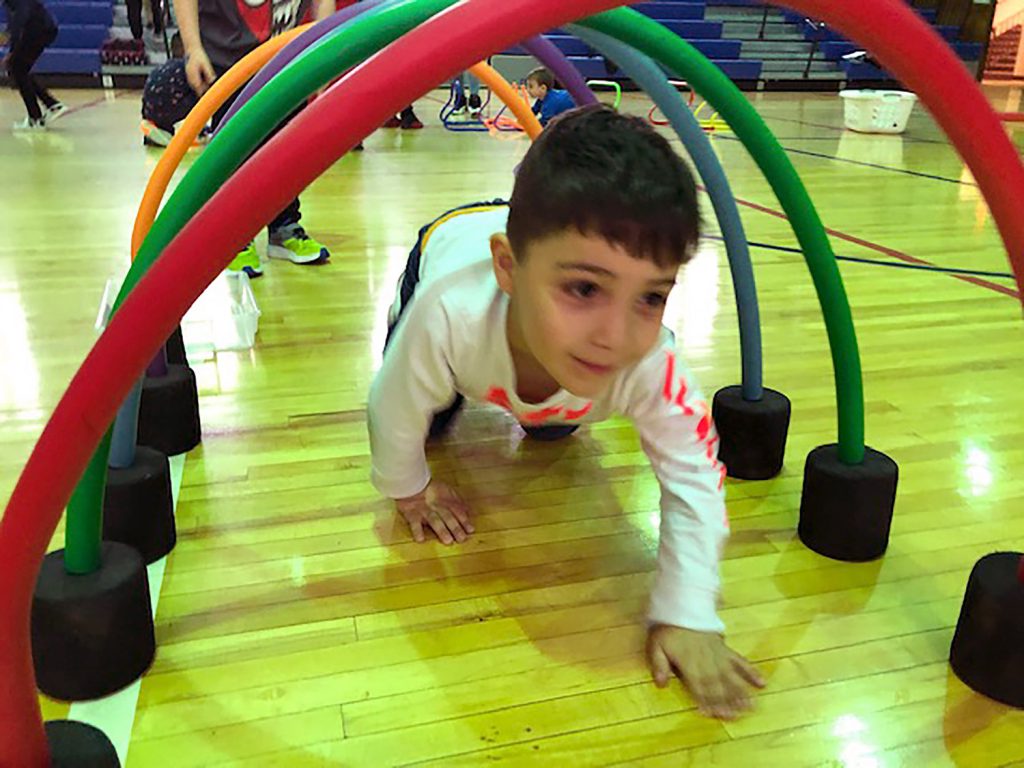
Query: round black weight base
79, 745
169, 411
91, 634
988, 647
752, 432
846, 509
138, 509
175, 348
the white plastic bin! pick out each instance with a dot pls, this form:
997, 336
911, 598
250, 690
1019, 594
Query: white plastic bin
871, 111
225, 317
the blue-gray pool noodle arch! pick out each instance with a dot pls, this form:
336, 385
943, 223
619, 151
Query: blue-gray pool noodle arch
652, 79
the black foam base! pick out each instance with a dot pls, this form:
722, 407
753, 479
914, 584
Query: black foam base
138, 509
988, 647
175, 348
752, 432
91, 634
79, 745
846, 509
169, 411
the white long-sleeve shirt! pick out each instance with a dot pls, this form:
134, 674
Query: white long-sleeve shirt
452, 338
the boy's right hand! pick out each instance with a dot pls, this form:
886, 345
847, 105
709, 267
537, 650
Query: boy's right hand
439, 507
199, 71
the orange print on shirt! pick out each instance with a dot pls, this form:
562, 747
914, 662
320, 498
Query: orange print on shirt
499, 397
711, 447
704, 425
705, 429
670, 368
536, 417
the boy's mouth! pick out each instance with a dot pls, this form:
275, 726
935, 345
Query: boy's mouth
593, 368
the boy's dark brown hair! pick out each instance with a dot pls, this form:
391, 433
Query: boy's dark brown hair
601, 173
542, 76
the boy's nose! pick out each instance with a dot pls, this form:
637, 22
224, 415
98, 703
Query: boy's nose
611, 331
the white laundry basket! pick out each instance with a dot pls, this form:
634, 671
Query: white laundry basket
871, 111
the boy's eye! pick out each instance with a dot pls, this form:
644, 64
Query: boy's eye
581, 289
654, 300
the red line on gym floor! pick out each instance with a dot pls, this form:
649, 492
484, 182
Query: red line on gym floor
87, 105
888, 251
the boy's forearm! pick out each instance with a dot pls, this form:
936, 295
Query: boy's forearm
187, 14
397, 430
686, 588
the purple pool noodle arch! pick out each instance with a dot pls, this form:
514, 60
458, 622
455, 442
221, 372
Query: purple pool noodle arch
287, 54
548, 54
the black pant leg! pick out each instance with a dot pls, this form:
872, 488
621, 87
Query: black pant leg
135, 17
20, 68
291, 214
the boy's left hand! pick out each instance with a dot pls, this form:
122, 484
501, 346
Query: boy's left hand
717, 676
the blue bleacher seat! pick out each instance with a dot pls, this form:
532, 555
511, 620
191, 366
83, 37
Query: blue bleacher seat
98, 13
572, 46
683, 17
669, 10
737, 69
83, 27
834, 46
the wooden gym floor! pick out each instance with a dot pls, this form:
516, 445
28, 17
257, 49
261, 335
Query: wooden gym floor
299, 625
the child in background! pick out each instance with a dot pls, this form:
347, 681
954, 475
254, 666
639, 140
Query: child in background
550, 101
31, 29
216, 35
167, 98
470, 104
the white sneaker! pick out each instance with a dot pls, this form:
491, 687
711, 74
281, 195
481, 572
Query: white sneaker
53, 113
28, 124
152, 136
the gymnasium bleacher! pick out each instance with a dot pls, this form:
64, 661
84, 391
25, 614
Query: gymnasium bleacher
688, 20
83, 28
747, 42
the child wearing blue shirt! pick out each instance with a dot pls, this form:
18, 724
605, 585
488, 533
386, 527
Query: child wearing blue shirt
550, 101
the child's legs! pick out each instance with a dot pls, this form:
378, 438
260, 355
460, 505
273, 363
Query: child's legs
292, 213
471, 83
166, 116
23, 82
135, 17
20, 67
44, 95
158, 20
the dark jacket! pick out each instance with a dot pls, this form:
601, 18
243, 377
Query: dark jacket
28, 19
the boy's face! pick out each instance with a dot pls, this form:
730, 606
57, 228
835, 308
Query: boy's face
536, 90
581, 307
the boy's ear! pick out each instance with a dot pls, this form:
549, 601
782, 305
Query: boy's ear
504, 261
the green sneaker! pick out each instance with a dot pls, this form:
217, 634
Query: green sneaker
247, 261
294, 245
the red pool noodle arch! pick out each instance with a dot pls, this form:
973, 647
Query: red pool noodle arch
298, 155
909, 48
